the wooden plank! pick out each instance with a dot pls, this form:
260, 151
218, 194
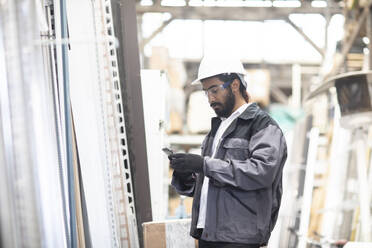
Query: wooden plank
79, 213
347, 46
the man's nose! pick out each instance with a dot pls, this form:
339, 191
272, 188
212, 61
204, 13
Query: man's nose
211, 97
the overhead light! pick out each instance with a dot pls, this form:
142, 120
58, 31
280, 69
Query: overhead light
177, 3
286, 4
366, 40
209, 3
258, 3
318, 4
196, 3
146, 2
230, 3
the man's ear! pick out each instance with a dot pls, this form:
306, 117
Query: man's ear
235, 85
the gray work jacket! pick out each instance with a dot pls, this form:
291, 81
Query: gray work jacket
245, 180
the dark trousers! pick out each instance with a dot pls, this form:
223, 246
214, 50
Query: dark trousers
208, 244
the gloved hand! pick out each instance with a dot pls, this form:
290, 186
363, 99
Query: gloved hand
186, 162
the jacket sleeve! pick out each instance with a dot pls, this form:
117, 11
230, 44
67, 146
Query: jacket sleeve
184, 183
268, 152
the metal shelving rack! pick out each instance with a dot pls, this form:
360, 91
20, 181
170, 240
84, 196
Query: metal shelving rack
43, 201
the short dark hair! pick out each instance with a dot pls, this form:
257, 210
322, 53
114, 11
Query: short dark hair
229, 77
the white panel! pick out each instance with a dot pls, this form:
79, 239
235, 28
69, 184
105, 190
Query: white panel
339, 160
154, 112
100, 125
199, 113
358, 245
86, 111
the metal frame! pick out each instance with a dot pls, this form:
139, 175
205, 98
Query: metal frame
125, 25
235, 13
330, 82
51, 67
307, 38
68, 128
155, 33
115, 119
308, 187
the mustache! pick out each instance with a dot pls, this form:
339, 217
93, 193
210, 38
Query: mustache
215, 104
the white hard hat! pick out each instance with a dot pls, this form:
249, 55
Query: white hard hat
211, 66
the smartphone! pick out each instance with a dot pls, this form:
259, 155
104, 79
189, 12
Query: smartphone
167, 151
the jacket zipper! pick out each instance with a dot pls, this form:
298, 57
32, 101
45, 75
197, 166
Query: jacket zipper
218, 192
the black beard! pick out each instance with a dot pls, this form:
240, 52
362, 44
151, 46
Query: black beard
228, 106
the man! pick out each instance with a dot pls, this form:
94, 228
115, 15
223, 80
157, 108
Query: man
237, 182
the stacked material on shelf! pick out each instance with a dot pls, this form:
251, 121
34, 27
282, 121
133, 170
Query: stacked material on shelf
259, 86
176, 110
176, 74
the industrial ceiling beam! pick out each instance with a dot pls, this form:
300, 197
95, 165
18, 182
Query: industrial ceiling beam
235, 13
278, 94
155, 33
307, 38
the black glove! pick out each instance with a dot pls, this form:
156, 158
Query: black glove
186, 162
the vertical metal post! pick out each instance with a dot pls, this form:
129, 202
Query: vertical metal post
364, 197
296, 86
7, 204
141, 39
125, 25
308, 187
369, 35
68, 130
336, 182
328, 19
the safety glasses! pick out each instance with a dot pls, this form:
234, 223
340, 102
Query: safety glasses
214, 90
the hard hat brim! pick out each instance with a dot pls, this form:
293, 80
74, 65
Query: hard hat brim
198, 80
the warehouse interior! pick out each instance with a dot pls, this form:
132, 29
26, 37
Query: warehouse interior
91, 91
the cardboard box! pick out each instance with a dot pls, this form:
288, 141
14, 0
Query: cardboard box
176, 102
168, 234
176, 73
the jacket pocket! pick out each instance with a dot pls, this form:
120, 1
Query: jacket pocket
238, 212
236, 148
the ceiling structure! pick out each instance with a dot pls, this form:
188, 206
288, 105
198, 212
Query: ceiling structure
245, 10
243, 13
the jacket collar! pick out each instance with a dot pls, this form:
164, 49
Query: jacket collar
248, 113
